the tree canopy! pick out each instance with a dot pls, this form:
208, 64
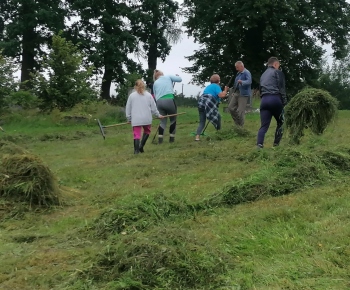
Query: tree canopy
252, 31
26, 26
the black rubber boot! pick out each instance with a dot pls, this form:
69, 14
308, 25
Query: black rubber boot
136, 146
143, 142
172, 139
160, 140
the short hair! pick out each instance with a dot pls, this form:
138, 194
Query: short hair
272, 60
157, 73
239, 62
215, 79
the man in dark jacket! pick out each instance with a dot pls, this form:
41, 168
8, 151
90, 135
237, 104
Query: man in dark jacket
273, 99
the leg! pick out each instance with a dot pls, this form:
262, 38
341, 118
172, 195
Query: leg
265, 117
137, 136
146, 133
242, 104
233, 106
279, 116
172, 129
202, 119
161, 105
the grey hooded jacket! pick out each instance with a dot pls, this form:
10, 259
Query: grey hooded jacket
272, 82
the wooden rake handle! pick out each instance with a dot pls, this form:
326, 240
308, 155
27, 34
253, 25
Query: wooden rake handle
173, 115
121, 124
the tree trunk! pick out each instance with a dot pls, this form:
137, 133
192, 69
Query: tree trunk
152, 53
152, 62
106, 83
28, 58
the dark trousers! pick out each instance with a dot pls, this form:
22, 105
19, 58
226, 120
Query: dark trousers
167, 107
271, 106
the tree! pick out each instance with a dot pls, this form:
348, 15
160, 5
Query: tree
7, 81
156, 26
68, 83
103, 32
25, 26
252, 31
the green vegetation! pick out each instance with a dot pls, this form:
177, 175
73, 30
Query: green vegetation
310, 108
215, 214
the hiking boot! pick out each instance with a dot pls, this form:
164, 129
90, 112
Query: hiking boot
136, 146
143, 142
275, 144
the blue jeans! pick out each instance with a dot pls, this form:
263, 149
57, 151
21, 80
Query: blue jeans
202, 119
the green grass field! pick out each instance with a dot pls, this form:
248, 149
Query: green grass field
215, 214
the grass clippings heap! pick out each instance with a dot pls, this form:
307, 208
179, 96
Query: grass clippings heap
25, 178
141, 214
289, 171
164, 258
231, 133
310, 108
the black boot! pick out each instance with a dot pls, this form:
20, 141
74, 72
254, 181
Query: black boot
136, 146
143, 141
171, 139
160, 140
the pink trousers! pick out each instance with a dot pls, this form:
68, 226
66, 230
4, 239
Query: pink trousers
137, 130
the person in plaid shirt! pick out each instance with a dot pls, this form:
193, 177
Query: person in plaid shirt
208, 104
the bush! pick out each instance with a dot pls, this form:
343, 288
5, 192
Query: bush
24, 99
68, 83
310, 108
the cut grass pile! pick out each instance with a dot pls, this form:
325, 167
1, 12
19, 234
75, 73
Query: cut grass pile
163, 258
310, 108
235, 131
25, 178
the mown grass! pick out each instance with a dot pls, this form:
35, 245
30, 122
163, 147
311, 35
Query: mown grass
166, 219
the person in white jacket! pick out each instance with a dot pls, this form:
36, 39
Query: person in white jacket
139, 110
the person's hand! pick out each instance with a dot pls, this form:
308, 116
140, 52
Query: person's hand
161, 116
239, 81
226, 88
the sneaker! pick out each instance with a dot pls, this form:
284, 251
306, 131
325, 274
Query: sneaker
259, 146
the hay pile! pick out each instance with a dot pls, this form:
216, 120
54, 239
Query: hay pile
24, 177
310, 108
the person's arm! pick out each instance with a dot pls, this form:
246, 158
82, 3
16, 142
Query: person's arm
176, 79
223, 93
128, 109
248, 80
281, 82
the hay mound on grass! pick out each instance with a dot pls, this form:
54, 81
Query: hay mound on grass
310, 108
165, 258
24, 178
234, 132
